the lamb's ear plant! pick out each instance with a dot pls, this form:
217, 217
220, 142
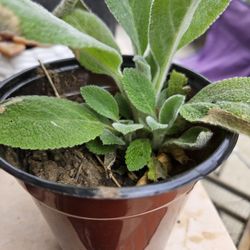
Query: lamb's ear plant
148, 115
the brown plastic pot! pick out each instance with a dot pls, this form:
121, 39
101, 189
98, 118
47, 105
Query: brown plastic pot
105, 218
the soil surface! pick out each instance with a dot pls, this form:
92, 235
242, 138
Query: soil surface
73, 166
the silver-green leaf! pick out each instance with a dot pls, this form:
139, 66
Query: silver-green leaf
142, 65
231, 90
155, 125
101, 101
225, 103
138, 154
170, 19
206, 13
108, 138
193, 138
92, 25
133, 15
139, 91
40, 122
170, 109
96, 147
126, 128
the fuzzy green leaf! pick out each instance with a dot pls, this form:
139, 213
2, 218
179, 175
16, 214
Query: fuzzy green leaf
232, 116
225, 103
38, 24
230, 90
170, 19
124, 108
108, 138
138, 154
139, 91
194, 138
40, 122
126, 128
206, 13
92, 115
154, 125
133, 15
96, 147
162, 98
142, 66
170, 109
176, 83
92, 25
101, 101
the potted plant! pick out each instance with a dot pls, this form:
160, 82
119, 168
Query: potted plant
143, 132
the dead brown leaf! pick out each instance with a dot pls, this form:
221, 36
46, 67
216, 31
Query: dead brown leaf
10, 49
9, 21
2, 109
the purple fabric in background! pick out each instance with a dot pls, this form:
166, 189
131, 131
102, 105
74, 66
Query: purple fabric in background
226, 52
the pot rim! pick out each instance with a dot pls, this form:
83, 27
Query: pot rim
185, 178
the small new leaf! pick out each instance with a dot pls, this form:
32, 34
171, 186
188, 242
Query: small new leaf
108, 138
101, 101
170, 109
139, 91
138, 154
154, 125
126, 128
142, 66
96, 147
193, 138
176, 83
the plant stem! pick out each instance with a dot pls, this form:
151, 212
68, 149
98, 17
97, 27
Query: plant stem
160, 80
157, 140
64, 7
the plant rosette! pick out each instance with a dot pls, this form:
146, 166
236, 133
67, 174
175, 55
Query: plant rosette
91, 210
154, 126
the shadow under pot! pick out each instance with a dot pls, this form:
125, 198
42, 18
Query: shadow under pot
107, 218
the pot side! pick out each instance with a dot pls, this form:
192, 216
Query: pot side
104, 218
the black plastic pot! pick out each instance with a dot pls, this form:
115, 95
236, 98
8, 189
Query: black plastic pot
106, 218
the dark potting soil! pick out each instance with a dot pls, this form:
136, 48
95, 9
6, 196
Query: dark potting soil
73, 166
77, 166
